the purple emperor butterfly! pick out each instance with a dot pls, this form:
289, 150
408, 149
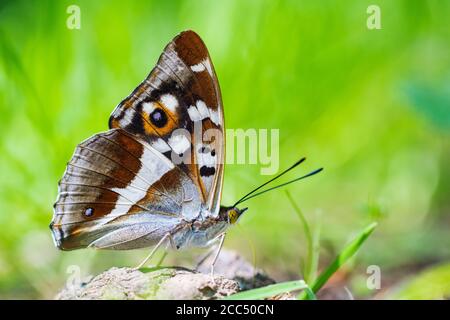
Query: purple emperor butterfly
143, 182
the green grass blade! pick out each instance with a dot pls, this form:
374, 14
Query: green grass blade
309, 294
308, 272
268, 291
343, 257
315, 254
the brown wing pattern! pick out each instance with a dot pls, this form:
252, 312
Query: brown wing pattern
111, 180
127, 187
182, 91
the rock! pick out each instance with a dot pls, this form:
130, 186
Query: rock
233, 266
150, 284
232, 273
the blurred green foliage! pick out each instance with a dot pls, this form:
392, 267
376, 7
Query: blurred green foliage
371, 106
433, 283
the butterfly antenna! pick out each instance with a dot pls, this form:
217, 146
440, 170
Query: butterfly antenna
283, 184
274, 178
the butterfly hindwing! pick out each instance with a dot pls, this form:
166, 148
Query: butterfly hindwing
116, 183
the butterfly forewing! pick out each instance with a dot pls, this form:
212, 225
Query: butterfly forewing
181, 92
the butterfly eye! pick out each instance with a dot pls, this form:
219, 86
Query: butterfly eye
89, 212
158, 117
232, 216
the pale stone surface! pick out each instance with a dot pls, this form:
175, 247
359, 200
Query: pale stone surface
165, 283
231, 274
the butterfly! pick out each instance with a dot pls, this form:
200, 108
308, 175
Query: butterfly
156, 175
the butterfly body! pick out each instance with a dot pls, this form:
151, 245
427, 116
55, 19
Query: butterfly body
199, 233
147, 231
158, 171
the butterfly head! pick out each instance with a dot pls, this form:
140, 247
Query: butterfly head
231, 214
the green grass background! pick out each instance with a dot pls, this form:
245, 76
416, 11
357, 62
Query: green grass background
371, 106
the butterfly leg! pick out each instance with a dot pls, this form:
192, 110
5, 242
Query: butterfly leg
167, 236
205, 257
222, 239
163, 257
171, 243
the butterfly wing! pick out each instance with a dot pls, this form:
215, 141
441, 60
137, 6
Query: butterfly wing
118, 192
127, 187
178, 110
